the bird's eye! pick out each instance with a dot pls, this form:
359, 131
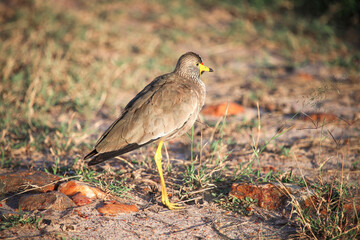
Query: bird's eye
197, 64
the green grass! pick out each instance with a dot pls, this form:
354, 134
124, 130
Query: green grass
200, 172
241, 206
18, 219
333, 214
285, 151
109, 182
196, 178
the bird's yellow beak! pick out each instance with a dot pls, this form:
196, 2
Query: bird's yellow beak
204, 68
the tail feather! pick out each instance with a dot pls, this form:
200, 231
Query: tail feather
101, 157
90, 154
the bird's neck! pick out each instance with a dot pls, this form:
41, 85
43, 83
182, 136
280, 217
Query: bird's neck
194, 80
189, 75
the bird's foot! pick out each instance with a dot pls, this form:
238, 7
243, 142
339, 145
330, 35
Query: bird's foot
172, 206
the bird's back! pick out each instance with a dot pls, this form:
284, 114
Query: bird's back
165, 108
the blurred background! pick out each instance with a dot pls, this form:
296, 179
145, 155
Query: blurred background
65, 66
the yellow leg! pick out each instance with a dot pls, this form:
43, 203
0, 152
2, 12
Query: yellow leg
164, 196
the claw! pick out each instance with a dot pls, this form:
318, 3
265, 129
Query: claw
170, 205
173, 206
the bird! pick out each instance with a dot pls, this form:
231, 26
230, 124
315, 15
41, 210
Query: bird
166, 108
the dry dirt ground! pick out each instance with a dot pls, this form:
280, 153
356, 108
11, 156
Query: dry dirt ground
308, 119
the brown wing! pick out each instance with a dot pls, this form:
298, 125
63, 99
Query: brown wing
137, 101
156, 112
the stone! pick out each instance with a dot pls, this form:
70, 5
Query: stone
42, 201
113, 208
13, 182
267, 195
351, 208
271, 196
219, 110
319, 117
80, 200
73, 187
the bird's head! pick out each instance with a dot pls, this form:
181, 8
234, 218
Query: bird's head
191, 66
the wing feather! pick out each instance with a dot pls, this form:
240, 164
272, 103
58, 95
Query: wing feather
158, 111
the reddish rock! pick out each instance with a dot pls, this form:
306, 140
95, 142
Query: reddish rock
305, 76
81, 200
73, 187
42, 201
310, 202
113, 208
274, 195
219, 110
352, 206
268, 195
269, 168
12, 182
270, 106
320, 117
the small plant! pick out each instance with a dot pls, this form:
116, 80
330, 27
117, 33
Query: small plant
290, 178
56, 169
117, 187
355, 165
195, 179
105, 181
331, 214
86, 174
56, 165
242, 206
16, 219
198, 174
5, 163
285, 151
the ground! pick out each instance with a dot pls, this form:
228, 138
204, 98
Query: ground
68, 69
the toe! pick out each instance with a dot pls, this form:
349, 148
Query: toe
174, 206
